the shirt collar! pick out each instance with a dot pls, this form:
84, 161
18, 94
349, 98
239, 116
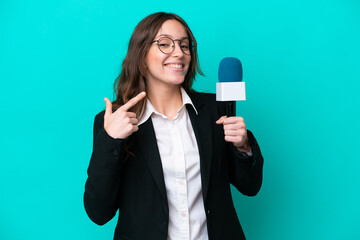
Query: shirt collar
149, 109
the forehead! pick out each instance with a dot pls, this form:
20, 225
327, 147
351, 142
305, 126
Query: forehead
172, 28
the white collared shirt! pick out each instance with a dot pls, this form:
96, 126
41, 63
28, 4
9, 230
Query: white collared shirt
180, 160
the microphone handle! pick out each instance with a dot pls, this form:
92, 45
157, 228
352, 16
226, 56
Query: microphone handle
231, 108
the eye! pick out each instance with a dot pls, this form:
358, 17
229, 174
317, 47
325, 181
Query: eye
184, 44
163, 45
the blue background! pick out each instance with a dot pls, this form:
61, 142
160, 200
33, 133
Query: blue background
58, 59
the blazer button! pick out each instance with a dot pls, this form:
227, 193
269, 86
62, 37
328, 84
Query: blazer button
208, 212
115, 152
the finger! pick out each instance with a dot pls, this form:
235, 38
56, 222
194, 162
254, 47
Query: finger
124, 118
233, 139
133, 101
134, 129
108, 105
237, 132
130, 114
234, 126
134, 121
221, 120
121, 115
232, 120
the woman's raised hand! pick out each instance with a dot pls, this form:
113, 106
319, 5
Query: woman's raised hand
121, 123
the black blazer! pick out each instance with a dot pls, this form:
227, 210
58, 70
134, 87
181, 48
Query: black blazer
136, 187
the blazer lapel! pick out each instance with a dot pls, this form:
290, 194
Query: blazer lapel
146, 139
201, 123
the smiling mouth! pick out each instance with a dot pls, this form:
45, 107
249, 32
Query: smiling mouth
175, 66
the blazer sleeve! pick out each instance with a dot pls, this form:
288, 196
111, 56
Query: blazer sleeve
245, 172
103, 183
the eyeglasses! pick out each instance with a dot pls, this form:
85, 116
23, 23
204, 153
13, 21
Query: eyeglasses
167, 45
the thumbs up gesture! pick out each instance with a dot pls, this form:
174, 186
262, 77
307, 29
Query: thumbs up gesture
121, 123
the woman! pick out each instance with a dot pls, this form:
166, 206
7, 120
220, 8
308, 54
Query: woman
164, 155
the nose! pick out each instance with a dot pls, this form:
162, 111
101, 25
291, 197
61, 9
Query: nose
177, 49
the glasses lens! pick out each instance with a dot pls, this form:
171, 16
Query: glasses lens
185, 46
166, 45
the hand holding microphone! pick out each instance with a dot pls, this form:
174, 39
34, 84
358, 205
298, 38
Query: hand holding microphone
235, 132
121, 123
230, 89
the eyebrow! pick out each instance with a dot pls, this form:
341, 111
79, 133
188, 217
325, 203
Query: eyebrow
167, 35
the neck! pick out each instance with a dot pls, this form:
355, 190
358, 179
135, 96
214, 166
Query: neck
166, 101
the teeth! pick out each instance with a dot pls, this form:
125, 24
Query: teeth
174, 65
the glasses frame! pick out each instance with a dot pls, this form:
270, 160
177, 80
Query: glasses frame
173, 46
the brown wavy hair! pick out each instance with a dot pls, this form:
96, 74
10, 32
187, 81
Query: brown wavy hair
131, 80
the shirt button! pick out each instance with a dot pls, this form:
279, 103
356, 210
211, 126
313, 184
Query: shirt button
183, 214
181, 182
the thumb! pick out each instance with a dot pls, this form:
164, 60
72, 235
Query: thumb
221, 120
108, 109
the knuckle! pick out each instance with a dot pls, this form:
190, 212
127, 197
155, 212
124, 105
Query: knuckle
122, 114
129, 127
127, 120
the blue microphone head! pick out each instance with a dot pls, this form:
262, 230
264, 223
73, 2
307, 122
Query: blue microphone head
230, 70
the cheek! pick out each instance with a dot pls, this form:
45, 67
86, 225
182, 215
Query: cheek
156, 61
152, 57
154, 65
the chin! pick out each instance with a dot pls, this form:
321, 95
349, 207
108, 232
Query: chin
178, 81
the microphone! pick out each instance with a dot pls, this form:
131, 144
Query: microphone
230, 87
